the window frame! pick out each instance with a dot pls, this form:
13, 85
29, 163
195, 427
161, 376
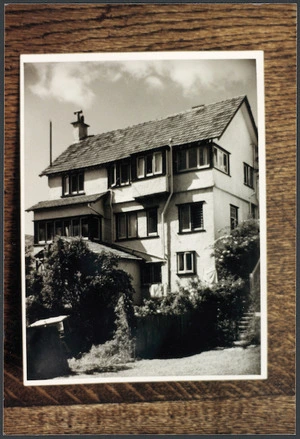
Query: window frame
67, 184
248, 175
223, 153
234, 218
186, 152
114, 172
126, 216
66, 226
155, 276
189, 207
185, 270
143, 159
154, 233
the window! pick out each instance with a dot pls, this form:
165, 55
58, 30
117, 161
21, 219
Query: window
85, 227
151, 274
193, 158
253, 211
127, 225
248, 175
190, 217
119, 174
221, 159
152, 222
149, 165
186, 262
73, 184
233, 216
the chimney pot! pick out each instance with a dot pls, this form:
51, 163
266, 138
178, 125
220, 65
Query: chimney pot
80, 128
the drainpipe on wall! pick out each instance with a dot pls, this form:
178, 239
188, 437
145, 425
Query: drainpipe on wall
166, 257
111, 216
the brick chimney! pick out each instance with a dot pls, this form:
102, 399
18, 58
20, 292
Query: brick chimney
80, 128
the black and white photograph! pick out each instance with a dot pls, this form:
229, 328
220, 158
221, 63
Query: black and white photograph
143, 217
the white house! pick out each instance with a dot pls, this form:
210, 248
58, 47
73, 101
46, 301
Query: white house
158, 193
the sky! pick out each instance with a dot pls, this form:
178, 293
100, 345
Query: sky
115, 93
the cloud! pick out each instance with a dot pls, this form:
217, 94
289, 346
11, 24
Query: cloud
66, 82
154, 82
189, 75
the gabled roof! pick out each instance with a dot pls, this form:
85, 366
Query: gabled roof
200, 123
68, 201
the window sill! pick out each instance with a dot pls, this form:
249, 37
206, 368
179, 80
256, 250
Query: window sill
73, 195
248, 185
189, 232
202, 168
147, 177
189, 273
138, 238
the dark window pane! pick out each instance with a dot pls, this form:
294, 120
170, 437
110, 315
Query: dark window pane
50, 231
180, 261
95, 228
184, 218
156, 273
58, 228
84, 228
132, 225
152, 221
121, 224
75, 227
124, 171
181, 157
189, 261
192, 154
149, 169
80, 182
74, 184
42, 231
67, 225
196, 216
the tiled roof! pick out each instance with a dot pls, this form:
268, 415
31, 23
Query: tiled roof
95, 247
199, 123
68, 201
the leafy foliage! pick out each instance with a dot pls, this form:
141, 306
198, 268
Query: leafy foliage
237, 253
115, 353
85, 285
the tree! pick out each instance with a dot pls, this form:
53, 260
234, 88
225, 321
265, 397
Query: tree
237, 253
84, 285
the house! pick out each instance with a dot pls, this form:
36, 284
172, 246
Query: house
158, 193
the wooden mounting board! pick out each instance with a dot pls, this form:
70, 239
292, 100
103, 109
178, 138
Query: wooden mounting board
232, 407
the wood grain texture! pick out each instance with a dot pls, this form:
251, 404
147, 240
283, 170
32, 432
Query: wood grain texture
265, 407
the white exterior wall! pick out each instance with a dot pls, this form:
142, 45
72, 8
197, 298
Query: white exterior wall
200, 241
143, 243
132, 267
222, 201
238, 141
95, 182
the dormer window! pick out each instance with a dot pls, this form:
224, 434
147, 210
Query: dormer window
119, 174
193, 158
149, 165
73, 184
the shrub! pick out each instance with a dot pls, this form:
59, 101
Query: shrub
237, 253
112, 355
82, 284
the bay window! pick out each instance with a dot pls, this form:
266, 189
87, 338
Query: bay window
195, 157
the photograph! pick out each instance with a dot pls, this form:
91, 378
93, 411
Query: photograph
143, 226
